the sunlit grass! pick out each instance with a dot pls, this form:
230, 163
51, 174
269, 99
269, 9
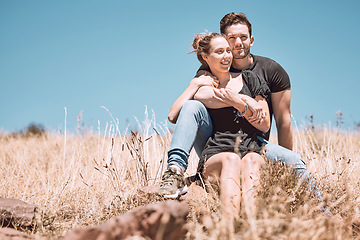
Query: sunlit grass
92, 177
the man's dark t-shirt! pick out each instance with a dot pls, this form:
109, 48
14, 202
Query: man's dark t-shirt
275, 76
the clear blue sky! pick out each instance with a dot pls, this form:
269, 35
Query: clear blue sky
126, 55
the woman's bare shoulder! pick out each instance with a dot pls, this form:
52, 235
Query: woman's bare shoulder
236, 75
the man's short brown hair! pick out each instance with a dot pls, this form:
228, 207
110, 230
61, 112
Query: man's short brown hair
232, 19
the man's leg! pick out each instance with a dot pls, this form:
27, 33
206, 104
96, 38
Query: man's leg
291, 159
193, 128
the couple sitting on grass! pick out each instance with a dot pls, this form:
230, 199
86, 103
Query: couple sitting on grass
225, 114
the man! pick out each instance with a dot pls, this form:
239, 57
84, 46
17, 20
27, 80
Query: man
238, 32
194, 118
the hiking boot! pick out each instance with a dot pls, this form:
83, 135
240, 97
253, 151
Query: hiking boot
172, 184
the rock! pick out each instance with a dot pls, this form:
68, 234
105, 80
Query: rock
16, 213
162, 220
12, 234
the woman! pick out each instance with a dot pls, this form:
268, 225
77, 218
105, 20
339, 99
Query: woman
213, 50
232, 154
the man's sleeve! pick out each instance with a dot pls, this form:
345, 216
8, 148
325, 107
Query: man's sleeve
256, 84
280, 80
202, 68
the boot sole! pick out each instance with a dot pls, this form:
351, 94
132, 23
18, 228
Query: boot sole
179, 192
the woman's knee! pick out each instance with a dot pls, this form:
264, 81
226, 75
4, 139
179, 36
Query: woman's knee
252, 160
250, 169
231, 160
193, 106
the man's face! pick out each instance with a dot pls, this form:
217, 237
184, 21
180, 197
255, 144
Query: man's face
239, 39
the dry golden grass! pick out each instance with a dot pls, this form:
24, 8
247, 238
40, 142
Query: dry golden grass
84, 180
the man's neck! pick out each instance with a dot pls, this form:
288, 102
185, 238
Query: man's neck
243, 63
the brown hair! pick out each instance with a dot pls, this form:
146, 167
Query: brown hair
201, 44
232, 19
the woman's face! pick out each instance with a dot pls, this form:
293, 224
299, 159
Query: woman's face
219, 57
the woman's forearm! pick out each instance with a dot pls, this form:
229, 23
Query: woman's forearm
245, 97
243, 106
263, 125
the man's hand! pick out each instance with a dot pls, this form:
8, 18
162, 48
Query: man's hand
259, 114
206, 79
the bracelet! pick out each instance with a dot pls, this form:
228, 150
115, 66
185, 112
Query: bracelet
241, 114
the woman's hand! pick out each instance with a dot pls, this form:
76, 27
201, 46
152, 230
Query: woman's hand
232, 98
227, 96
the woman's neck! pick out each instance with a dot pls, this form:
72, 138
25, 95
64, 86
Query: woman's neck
223, 77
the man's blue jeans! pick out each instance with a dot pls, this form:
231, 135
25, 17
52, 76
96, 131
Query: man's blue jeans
194, 127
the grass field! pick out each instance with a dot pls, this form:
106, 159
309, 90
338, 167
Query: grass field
80, 180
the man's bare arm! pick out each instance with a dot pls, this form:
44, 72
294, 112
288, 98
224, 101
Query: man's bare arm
219, 98
233, 99
282, 114
206, 95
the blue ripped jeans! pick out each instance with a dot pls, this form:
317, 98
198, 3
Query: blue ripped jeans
194, 127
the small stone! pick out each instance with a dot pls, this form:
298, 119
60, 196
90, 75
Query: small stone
16, 213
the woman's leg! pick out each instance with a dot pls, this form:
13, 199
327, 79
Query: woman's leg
225, 168
193, 128
250, 174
